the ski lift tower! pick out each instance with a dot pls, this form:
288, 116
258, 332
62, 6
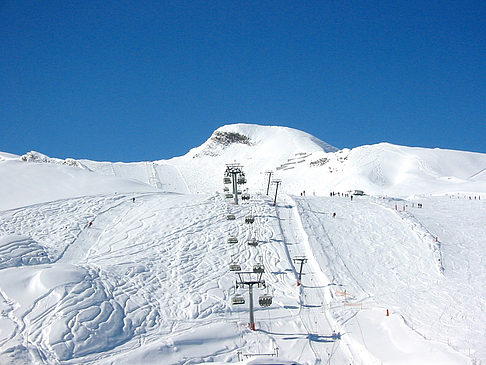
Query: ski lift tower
302, 260
269, 173
276, 182
236, 172
249, 279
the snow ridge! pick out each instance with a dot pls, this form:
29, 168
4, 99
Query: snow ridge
34, 156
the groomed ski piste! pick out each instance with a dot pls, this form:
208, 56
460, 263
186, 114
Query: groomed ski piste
120, 267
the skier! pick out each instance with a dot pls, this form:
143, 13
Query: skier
133, 200
90, 224
334, 215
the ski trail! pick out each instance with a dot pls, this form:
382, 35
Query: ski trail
79, 247
422, 232
315, 298
188, 191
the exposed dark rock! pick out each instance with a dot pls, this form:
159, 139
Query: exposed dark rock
319, 162
227, 138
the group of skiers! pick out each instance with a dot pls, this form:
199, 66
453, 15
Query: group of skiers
344, 195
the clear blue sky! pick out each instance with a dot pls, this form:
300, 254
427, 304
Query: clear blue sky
144, 80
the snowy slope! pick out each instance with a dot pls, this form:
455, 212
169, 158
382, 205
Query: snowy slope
157, 174
136, 287
122, 263
403, 171
27, 183
380, 258
139, 287
308, 164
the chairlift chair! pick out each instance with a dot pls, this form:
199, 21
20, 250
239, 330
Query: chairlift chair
235, 267
259, 268
265, 300
225, 188
241, 180
245, 196
252, 242
229, 195
237, 300
227, 180
232, 239
249, 219
230, 217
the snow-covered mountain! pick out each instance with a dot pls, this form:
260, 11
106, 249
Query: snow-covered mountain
305, 163
104, 263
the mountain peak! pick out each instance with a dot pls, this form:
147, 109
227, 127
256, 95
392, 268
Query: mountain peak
263, 133
270, 139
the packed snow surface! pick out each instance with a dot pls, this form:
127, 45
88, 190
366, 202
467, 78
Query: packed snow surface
128, 263
27, 183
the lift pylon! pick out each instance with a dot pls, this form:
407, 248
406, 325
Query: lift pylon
235, 171
269, 173
250, 279
276, 182
300, 260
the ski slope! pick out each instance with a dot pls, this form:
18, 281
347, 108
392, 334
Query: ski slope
128, 263
29, 183
379, 258
157, 174
137, 288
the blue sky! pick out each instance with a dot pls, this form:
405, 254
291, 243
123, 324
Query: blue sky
145, 80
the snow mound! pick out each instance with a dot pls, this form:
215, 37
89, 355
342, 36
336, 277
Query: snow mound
75, 311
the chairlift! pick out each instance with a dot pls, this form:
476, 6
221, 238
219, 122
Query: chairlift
249, 219
228, 195
252, 242
227, 180
238, 299
232, 239
265, 300
230, 217
235, 267
259, 268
